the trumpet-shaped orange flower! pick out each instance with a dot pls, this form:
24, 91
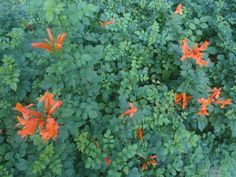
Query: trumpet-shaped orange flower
48, 99
140, 133
182, 97
205, 103
50, 104
179, 10
107, 161
51, 45
29, 126
48, 127
223, 102
26, 112
213, 98
215, 93
106, 23
195, 53
150, 161
130, 111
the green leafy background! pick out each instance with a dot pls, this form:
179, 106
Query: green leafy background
100, 70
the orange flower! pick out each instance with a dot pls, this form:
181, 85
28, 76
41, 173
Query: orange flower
205, 103
140, 133
51, 45
26, 112
48, 99
106, 23
203, 112
54, 107
150, 161
107, 161
215, 93
223, 102
182, 96
50, 102
48, 127
195, 53
29, 126
213, 98
130, 111
187, 53
178, 10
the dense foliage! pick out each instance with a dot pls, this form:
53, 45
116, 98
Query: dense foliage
115, 53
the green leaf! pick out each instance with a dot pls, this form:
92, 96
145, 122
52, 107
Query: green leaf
233, 128
93, 114
192, 26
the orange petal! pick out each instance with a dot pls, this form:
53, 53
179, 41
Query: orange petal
26, 111
50, 131
54, 107
144, 166
29, 127
21, 121
107, 161
178, 9
140, 133
42, 45
153, 162
178, 97
60, 38
50, 35
215, 93
204, 46
201, 62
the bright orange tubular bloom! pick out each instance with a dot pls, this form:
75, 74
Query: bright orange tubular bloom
196, 53
213, 98
150, 161
140, 133
106, 23
178, 10
107, 161
29, 126
48, 99
48, 127
215, 93
26, 112
130, 111
205, 103
182, 97
50, 45
223, 102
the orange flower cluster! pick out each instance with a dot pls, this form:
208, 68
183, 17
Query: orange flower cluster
195, 53
50, 45
149, 161
107, 161
182, 97
213, 98
179, 10
48, 127
106, 23
130, 111
140, 133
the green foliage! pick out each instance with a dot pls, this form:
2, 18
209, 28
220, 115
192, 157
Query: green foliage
48, 163
9, 73
100, 70
4, 172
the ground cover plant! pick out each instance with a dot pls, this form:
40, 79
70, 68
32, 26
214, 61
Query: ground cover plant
117, 88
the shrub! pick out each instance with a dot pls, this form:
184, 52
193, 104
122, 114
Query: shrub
115, 53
